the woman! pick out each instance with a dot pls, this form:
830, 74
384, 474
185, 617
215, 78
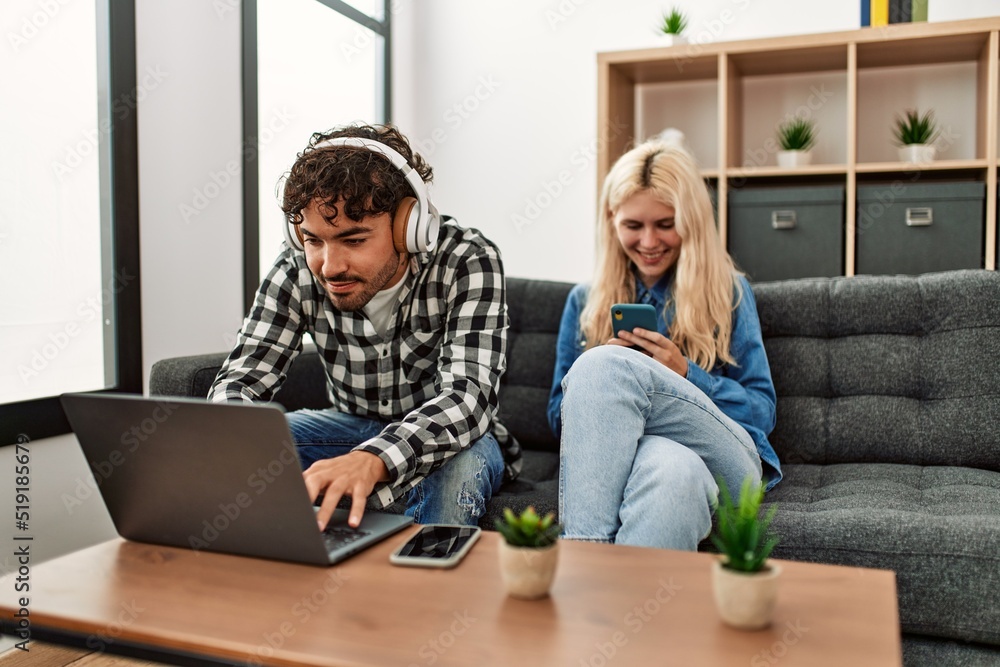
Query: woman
645, 430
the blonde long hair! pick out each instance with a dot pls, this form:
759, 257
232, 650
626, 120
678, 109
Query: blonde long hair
705, 279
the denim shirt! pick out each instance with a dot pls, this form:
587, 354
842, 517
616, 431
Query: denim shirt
744, 392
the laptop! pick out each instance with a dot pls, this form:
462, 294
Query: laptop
210, 476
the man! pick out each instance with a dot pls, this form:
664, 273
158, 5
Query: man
411, 331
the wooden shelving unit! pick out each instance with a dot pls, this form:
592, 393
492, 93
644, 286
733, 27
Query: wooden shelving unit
733, 94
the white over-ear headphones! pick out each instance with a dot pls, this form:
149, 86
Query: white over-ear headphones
415, 224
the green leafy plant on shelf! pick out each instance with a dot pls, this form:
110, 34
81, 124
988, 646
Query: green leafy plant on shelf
797, 134
742, 535
528, 529
912, 128
674, 22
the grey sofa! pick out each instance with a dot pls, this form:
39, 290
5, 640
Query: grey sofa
888, 429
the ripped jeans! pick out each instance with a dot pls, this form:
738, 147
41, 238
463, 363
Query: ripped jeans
455, 493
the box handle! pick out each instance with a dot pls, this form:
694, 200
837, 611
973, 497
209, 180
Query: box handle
919, 216
783, 219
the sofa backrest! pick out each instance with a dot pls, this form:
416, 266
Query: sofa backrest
535, 308
890, 369
305, 386
887, 369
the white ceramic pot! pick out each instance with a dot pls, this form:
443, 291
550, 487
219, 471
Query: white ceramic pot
745, 601
793, 159
917, 153
673, 40
527, 572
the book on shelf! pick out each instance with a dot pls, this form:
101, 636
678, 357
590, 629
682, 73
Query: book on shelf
900, 11
880, 12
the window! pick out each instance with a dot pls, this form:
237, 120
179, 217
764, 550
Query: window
318, 64
68, 209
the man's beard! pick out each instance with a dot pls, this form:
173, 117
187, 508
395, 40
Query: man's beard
365, 289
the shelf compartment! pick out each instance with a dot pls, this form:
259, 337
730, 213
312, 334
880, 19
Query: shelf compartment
923, 50
790, 61
766, 101
949, 89
690, 106
677, 63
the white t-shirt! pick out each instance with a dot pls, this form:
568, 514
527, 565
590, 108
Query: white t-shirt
380, 310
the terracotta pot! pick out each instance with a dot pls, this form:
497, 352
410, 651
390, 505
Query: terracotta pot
917, 153
528, 572
792, 159
745, 601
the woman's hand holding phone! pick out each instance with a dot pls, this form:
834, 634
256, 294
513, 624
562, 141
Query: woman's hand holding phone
634, 325
656, 345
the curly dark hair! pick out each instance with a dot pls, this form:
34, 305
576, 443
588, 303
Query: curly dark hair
368, 184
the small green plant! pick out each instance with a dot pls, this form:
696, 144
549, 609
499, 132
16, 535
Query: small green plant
742, 535
673, 22
797, 134
529, 529
912, 128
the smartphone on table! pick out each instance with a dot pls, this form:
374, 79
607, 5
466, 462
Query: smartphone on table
436, 545
628, 316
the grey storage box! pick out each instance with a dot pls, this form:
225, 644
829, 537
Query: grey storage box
789, 232
919, 228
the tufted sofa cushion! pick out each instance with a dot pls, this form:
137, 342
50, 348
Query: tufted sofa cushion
535, 308
888, 405
305, 386
937, 527
886, 369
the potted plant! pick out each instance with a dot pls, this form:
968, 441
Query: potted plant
915, 135
744, 583
672, 25
529, 552
796, 136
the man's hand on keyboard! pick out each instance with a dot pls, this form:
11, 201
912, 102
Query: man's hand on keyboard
354, 474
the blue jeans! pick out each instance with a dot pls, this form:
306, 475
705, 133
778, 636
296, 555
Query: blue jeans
456, 493
640, 450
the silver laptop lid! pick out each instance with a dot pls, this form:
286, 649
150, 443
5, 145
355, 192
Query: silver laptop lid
200, 475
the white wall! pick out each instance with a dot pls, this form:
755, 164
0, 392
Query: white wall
190, 206
503, 148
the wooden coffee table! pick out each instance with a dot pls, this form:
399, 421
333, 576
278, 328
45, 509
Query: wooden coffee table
609, 605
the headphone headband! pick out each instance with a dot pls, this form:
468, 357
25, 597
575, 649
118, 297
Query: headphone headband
421, 233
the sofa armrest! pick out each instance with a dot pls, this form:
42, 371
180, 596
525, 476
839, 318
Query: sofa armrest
305, 386
185, 376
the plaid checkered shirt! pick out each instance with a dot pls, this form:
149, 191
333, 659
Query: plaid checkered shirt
435, 375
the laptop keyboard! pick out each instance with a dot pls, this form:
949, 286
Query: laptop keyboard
338, 536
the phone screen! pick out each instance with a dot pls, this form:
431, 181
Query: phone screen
437, 541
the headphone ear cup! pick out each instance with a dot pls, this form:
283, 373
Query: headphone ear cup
293, 236
406, 215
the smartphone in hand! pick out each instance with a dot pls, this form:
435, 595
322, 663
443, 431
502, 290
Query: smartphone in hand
436, 545
628, 316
